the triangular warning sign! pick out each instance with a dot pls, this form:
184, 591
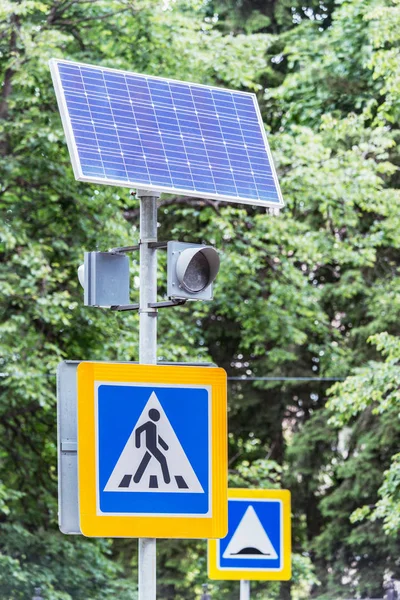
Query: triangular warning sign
250, 539
153, 459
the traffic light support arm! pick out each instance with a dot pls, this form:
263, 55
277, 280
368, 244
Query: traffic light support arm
152, 245
153, 305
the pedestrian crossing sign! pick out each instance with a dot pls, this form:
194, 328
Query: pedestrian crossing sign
258, 543
152, 450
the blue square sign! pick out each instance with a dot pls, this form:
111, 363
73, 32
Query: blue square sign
154, 442
254, 539
258, 543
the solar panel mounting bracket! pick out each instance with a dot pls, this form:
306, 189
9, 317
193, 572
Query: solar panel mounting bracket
145, 193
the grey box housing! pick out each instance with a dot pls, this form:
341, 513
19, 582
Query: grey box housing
106, 279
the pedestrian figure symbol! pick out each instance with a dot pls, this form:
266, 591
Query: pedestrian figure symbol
152, 440
153, 459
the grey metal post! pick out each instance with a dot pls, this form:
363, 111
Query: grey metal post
244, 589
147, 355
205, 595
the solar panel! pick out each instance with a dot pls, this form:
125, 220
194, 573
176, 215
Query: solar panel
159, 134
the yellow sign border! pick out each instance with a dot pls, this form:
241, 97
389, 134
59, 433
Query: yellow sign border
95, 525
215, 572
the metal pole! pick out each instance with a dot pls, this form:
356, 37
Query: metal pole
244, 589
147, 355
205, 595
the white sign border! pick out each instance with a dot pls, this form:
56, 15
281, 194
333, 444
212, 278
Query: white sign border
206, 515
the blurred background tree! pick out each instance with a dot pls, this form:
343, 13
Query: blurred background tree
314, 283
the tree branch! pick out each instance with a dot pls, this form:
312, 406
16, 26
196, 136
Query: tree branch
8, 76
94, 18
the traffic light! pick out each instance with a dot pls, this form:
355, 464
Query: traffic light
191, 270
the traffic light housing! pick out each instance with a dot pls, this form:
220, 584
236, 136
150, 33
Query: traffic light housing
191, 270
105, 279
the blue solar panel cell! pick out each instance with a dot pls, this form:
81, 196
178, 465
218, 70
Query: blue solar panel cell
141, 131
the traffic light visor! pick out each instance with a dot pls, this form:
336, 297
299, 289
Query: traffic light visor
191, 270
196, 268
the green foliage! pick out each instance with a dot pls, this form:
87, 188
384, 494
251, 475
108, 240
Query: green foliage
388, 506
384, 28
297, 294
303, 576
375, 387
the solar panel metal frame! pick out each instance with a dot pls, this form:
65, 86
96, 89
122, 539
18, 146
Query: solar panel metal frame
73, 150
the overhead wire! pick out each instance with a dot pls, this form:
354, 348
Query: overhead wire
230, 378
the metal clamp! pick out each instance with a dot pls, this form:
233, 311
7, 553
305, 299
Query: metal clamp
151, 312
68, 445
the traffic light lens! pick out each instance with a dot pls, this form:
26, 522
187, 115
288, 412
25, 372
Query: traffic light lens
197, 275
